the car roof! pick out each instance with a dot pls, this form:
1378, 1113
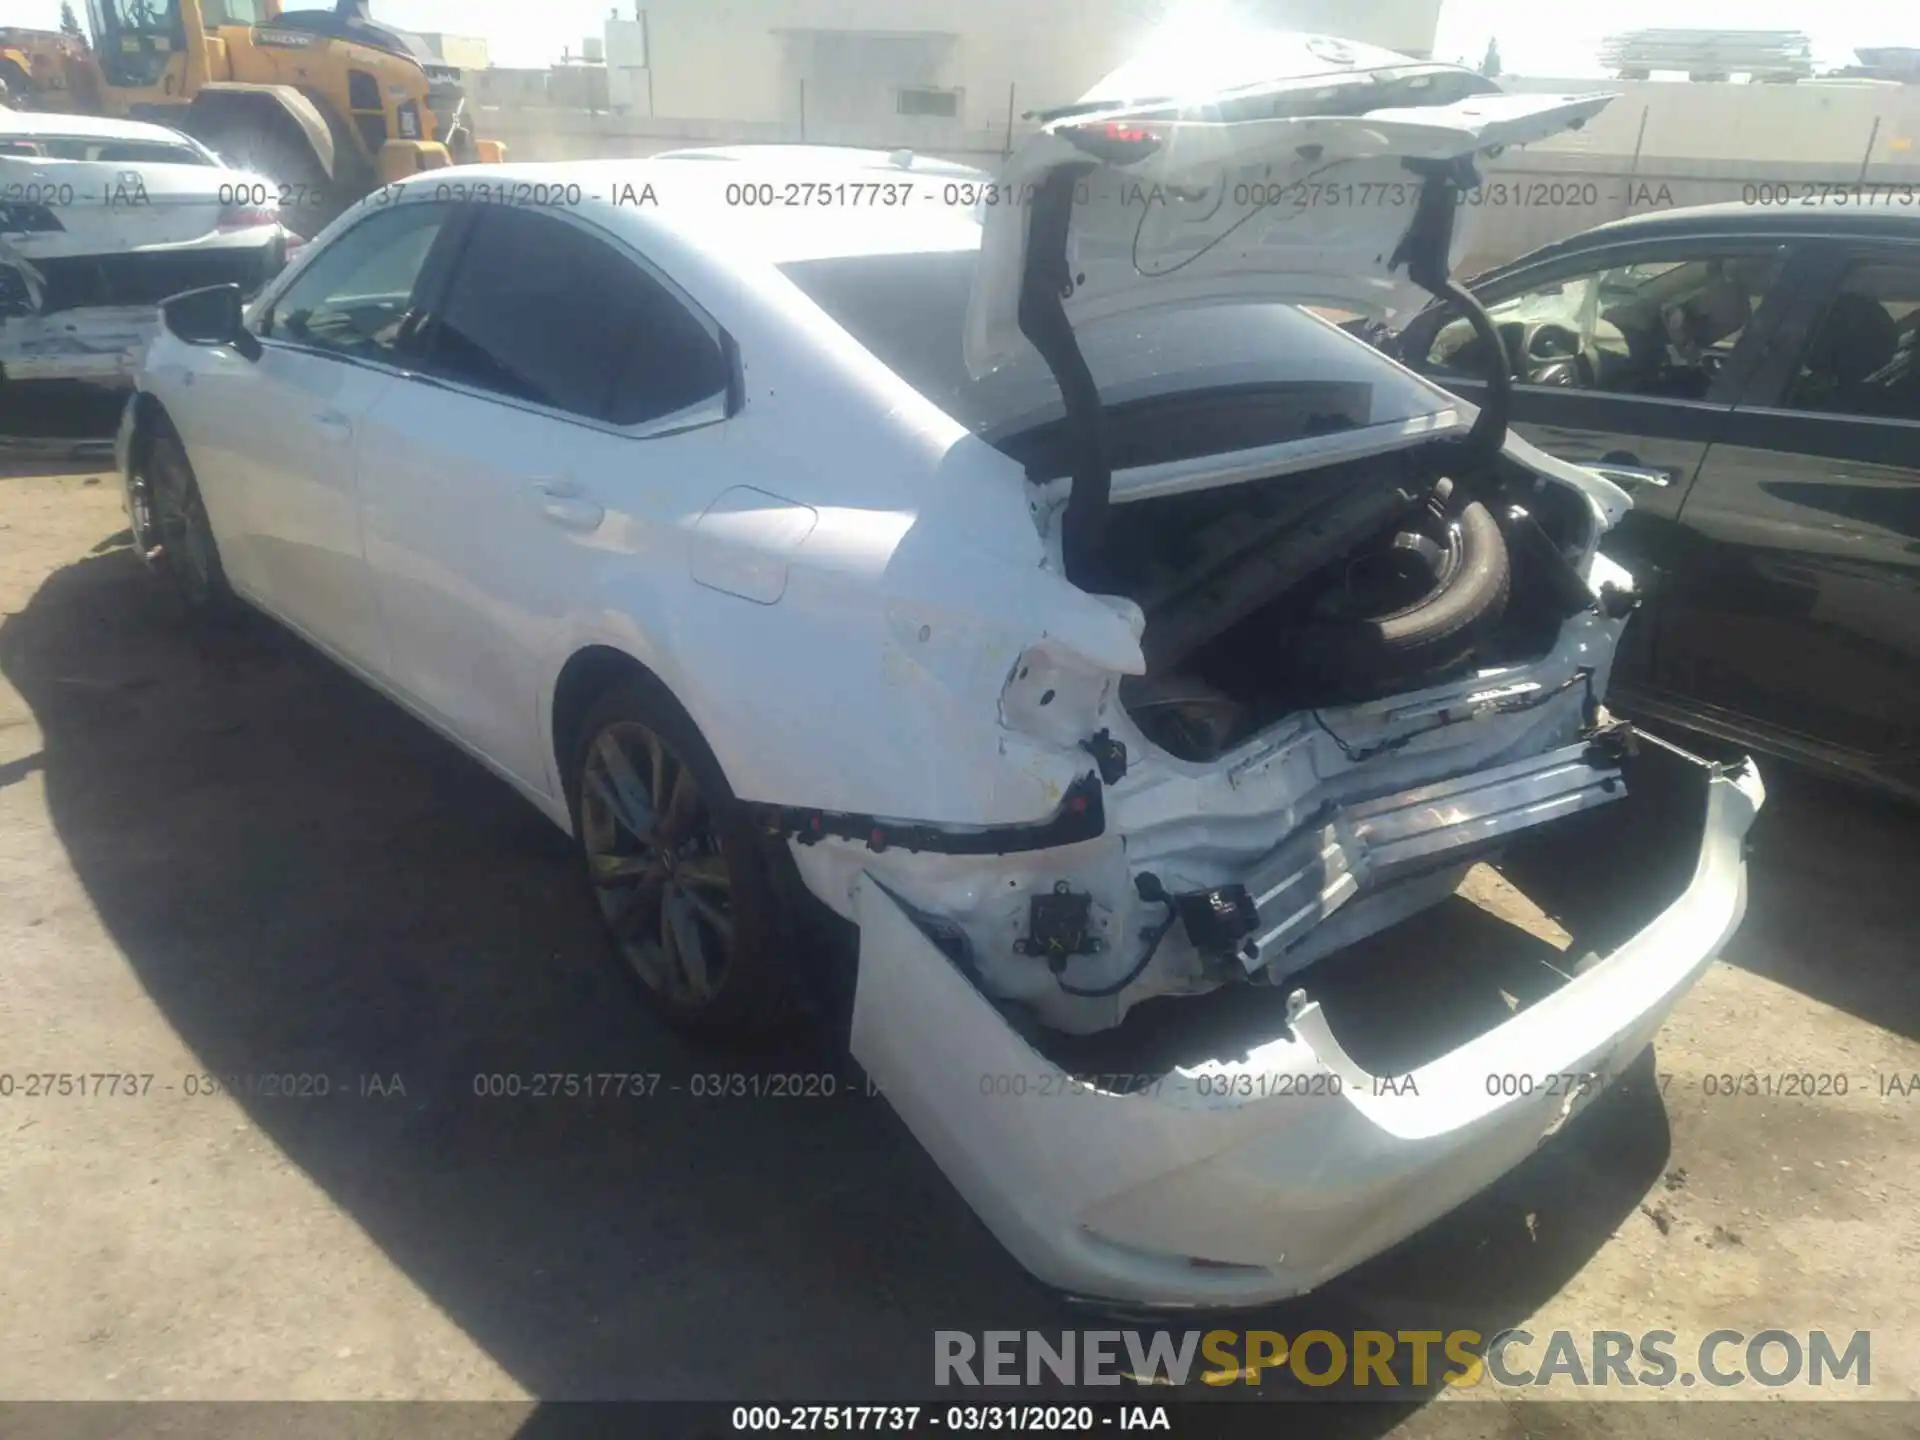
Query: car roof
41, 125
37, 124
1844, 215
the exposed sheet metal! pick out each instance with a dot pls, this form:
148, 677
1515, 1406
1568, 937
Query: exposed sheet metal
1318, 870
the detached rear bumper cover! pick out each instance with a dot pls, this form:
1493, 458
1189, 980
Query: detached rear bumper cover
103, 343
90, 317
1115, 1195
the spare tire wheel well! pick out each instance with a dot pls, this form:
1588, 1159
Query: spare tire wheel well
1335, 603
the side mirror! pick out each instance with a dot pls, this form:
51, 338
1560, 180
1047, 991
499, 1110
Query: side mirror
210, 316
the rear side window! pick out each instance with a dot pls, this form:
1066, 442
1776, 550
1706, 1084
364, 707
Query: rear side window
1863, 358
147, 152
107, 152
542, 311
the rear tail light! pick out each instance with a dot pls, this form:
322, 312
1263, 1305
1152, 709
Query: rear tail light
1114, 141
247, 217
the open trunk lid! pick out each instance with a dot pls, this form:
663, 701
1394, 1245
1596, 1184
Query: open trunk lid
1294, 188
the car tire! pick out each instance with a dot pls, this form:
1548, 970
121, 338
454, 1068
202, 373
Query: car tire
16, 87
172, 534
702, 918
313, 199
1364, 658
460, 144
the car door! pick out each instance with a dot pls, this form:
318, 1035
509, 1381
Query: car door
275, 439
1795, 619
564, 401
1626, 357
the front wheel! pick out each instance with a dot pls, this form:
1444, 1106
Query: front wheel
697, 905
172, 533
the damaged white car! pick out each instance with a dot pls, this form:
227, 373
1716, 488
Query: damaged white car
1011, 567
101, 220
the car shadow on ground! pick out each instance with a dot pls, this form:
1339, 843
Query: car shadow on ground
37, 412
305, 880
1830, 910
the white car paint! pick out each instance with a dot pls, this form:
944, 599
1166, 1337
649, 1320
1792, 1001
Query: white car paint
1306, 208
1242, 1181
107, 207
861, 606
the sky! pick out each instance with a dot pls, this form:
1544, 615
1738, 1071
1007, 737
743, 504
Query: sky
1537, 37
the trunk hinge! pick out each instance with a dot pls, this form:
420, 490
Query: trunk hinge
1426, 250
1044, 287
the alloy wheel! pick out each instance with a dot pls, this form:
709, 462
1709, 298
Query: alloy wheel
658, 870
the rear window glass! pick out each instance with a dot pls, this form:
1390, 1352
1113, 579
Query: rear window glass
106, 152
1298, 376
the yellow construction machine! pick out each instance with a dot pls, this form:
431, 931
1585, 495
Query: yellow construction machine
326, 103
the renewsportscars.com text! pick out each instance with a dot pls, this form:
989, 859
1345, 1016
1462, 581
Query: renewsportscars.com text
1584, 1360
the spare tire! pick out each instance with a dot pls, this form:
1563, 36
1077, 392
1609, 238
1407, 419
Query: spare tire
1366, 657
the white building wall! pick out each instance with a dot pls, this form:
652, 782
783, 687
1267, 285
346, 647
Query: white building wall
750, 60
469, 52
626, 51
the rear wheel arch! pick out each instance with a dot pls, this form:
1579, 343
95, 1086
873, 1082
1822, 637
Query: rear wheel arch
779, 970
589, 673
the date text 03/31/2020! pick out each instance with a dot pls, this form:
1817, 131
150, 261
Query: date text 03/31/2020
952, 1419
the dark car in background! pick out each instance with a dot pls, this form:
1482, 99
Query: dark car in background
1752, 375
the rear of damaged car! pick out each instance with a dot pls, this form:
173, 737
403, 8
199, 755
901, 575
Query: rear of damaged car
101, 220
1302, 644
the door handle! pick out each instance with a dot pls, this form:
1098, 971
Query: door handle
1628, 476
561, 502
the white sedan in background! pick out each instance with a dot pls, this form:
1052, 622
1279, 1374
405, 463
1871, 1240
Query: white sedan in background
101, 220
1008, 566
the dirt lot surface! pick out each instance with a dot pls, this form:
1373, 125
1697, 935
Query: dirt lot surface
223, 858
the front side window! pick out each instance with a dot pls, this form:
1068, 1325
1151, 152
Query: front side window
1657, 328
354, 298
542, 311
1860, 358
231, 12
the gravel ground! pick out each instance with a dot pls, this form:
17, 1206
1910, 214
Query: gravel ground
224, 857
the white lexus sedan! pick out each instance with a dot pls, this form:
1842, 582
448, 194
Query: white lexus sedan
1008, 565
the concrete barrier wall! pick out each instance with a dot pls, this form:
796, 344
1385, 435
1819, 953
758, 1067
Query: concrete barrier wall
552, 133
